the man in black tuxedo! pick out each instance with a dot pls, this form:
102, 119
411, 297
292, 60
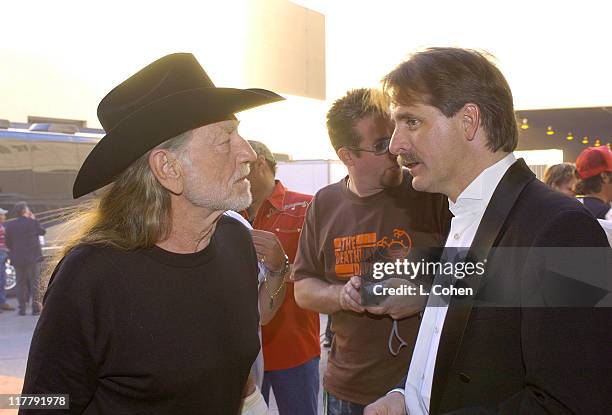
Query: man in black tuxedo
533, 337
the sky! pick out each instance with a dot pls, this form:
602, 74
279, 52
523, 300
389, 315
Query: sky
60, 58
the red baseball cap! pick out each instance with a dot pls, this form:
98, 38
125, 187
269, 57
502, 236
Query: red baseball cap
593, 160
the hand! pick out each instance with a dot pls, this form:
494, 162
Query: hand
391, 404
269, 249
349, 296
249, 388
399, 306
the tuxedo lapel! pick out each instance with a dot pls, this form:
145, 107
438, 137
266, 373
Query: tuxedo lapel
507, 192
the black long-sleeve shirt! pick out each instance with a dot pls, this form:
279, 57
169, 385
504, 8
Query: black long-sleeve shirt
149, 331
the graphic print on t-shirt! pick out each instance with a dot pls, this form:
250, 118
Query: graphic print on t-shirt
356, 254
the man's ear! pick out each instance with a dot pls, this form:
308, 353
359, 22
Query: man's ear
471, 120
345, 155
168, 170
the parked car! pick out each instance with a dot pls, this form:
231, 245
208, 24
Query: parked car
11, 281
38, 165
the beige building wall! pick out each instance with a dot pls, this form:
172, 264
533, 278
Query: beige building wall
285, 48
64, 63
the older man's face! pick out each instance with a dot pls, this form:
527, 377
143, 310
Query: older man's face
216, 166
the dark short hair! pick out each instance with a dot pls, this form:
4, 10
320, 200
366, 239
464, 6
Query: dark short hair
449, 78
19, 209
345, 112
591, 185
559, 174
262, 150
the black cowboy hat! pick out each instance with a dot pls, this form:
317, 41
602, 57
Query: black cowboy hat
166, 98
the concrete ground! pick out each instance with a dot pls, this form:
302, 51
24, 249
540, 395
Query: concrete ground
16, 334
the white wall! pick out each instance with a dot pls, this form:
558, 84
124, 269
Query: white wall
308, 176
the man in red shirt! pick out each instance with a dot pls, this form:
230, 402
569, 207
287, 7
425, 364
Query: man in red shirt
594, 170
291, 339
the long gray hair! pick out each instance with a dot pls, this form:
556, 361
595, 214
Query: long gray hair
133, 212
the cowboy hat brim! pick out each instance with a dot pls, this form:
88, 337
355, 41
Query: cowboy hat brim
157, 122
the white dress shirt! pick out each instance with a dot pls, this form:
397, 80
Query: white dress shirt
468, 211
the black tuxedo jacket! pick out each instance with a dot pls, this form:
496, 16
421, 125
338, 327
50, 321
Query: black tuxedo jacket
520, 358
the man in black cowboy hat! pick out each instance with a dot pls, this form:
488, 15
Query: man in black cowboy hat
152, 307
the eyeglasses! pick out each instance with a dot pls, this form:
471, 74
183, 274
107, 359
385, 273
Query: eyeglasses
380, 148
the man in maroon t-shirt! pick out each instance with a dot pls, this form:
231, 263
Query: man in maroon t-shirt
372, 215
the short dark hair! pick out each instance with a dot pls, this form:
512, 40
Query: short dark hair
591, 185
449, 78
559, 174
262, 150
345, 112
19, 209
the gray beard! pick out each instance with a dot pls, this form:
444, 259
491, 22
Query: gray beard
216, 201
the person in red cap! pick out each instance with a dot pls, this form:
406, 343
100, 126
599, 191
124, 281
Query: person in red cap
594, 171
